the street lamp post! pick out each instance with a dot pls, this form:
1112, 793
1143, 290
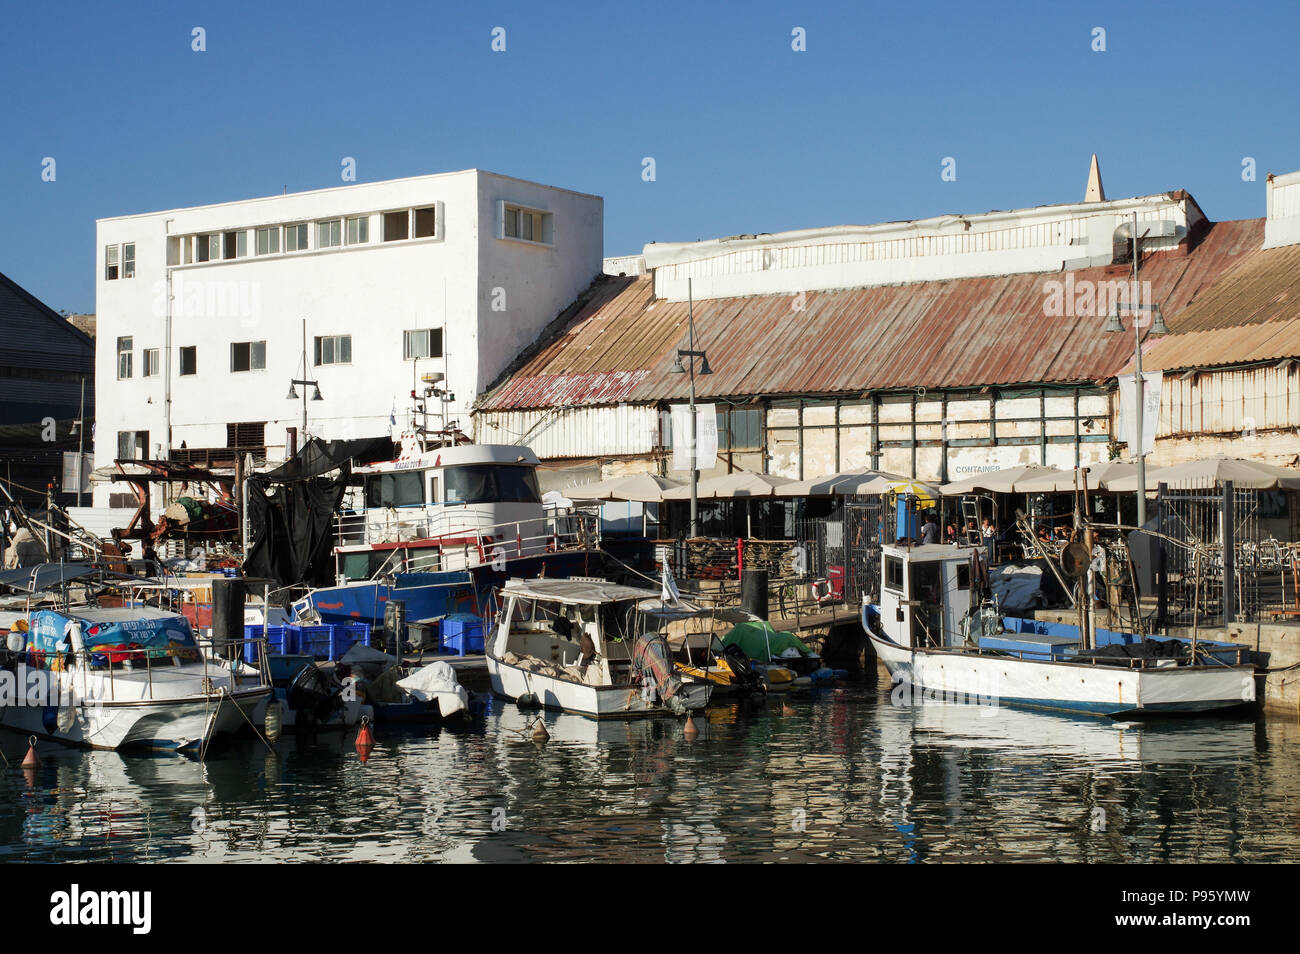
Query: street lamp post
304, 381
691, 354
1158, 327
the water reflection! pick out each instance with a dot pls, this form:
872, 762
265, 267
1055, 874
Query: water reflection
841, 774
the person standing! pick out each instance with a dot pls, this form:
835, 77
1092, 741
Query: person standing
990, 536
930, 532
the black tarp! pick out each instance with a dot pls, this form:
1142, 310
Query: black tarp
291, 511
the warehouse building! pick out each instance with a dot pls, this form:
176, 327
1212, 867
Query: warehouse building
936, 348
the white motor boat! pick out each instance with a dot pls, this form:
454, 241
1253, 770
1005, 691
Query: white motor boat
588, 646
125, 677
923, 633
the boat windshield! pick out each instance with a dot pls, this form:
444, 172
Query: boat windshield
490, 483
403, 489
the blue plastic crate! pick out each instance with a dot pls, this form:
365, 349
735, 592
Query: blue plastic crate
462, 633
279, 641
314, 641
347, 635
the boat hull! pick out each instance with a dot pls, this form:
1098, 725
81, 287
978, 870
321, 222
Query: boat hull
598, 702
427, 595
1064, 686
171, 724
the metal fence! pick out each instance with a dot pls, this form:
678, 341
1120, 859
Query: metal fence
1222, 560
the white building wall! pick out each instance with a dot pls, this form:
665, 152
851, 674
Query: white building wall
1043, 239
372, 292
1282, 226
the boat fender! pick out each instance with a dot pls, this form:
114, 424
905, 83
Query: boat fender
273, 723
365, 739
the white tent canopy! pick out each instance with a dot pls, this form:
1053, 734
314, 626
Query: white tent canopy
1100, 477
1005, 481
1245, 475
842, 484
643, 488
739, 484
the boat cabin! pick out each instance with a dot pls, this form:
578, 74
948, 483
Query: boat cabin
584, 629
925, 591
447, 508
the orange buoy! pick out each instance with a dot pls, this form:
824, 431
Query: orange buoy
365, 739
31, 759
690, 730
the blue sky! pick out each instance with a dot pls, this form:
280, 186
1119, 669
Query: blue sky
747, 134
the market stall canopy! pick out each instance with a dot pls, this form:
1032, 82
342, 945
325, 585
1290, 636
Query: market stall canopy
842, 484
1005, 481
1245, 475
903, 487
644, 488
740, 484
1100, 477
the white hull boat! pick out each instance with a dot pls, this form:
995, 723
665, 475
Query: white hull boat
918, 637
128, 678
589, 647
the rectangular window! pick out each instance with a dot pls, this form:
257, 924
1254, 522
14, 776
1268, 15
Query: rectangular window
110, 265
207, 248
426, 343
359, 230
268, 240
189, 360
152, 367
525, 224
397, 226
247, 356
124, 357
132, 445
329, 234
334, 349
234, 244
295, 238
435, 497
425, 226
894, 573
128, 262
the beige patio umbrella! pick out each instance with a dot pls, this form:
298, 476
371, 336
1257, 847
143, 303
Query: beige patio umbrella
1245, 475
1100, 476
841, 484
739, 484
643, 488
1005, 481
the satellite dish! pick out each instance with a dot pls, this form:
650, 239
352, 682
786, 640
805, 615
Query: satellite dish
431, 377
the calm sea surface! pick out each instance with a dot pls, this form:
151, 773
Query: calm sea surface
840, 774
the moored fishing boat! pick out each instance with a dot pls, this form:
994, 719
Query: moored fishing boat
588, 646
930, 633
119, 678
440, 528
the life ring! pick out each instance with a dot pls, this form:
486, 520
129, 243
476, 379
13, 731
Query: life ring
822, 591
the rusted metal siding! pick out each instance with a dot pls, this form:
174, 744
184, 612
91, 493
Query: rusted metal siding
1237, 404
556, 433
951, 334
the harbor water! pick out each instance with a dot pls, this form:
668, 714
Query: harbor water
843, 774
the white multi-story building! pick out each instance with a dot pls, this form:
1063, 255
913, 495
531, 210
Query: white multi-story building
201, 311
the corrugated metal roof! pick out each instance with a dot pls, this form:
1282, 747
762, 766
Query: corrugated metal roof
951, 334
1252, 313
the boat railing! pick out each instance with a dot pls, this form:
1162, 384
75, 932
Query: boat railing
487, 543
225, 669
